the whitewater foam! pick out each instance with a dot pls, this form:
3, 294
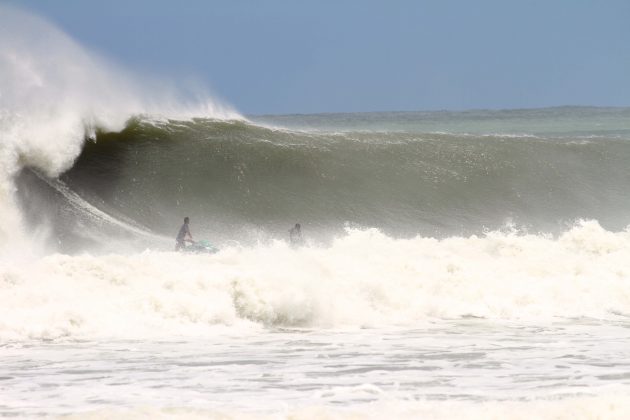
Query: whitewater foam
364, 279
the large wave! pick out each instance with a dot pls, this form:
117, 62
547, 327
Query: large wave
54, 94
113, 161
245, 182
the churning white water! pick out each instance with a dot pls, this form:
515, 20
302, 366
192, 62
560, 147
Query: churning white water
364, 279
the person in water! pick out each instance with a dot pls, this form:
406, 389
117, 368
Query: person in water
184, 235
295, 235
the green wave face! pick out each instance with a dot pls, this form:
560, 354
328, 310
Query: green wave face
247, 181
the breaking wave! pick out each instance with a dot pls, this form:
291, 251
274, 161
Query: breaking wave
246, 182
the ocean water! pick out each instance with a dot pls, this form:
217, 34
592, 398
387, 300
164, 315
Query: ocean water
471, 264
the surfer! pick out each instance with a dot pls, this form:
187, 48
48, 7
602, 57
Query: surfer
295, 235
184, 235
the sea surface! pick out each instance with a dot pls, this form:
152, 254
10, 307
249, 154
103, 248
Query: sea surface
456, 265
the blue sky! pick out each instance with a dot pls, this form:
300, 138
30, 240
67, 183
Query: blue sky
334, 56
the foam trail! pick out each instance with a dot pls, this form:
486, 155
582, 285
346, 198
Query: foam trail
54, 93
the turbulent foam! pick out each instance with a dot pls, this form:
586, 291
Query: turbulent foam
363, 279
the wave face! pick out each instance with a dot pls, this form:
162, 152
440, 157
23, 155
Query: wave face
251, 180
